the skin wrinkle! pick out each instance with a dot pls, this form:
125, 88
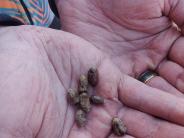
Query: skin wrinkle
175, 12
162, 4
121, 84
179, 79
74, 15
116, 114
119, 34
122, 115
153, 49
67, 106
44, 114
79, 60
42, 123
33, 106
70, 84
176, 48
65, 132
20, 67
173, 44
99, 36
115, 101
36, 41
171, 90
166, 8
169, 44
150, 133
135, 65
56, 72
15, 72
172, 5
48, 58
69, 132
52, 63
64, 120
93, 18
173, 8
114, 31
9, 75
31, 114
153, 38
127, 40
100, 122
155, 132
87, 39
118, 21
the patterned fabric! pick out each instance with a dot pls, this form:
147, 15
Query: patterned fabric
54, 7
36, 12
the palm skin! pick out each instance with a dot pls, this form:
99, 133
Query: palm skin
38, 66
136, 34
36, 71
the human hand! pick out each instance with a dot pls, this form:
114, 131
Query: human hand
136, 34
38, 66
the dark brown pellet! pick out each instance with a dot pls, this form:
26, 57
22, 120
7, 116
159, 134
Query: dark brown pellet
118, 127
84, 100
83, 84
97, 100
80, 118
73, 96
93, 77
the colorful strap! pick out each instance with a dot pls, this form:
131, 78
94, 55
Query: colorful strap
35, 12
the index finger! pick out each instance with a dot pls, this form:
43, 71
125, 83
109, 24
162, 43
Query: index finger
151, 100
114, 85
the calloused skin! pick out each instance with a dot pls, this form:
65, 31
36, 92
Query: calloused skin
38, 65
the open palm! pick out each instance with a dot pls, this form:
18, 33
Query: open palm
38, 66
136, 34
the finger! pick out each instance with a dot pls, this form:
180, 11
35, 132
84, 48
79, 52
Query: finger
145, 126
151, 100
174, 9
173, 73
125, 136
139, 96
176, 52
160, 83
